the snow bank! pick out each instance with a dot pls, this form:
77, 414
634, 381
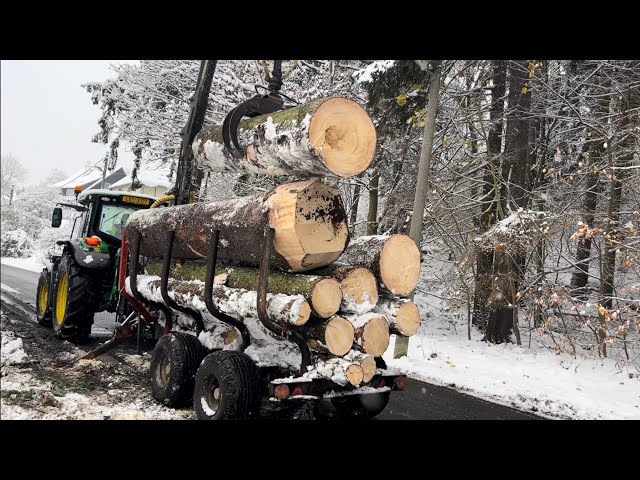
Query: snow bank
11, 351
29, 263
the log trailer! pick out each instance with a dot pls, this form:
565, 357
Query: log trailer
234, 333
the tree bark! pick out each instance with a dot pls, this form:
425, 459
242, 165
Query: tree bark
517, 164
353, 215
322, 293
491, 204
393, 259
372, 214
283, 309
326, 137
402, 343
358, 285
308, 218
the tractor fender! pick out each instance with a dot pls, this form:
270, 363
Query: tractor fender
93, 260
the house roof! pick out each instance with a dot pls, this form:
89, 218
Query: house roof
81, 177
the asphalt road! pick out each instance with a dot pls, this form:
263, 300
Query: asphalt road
23, 284
420, 401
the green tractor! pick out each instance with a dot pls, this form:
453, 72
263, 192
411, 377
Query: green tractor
83, 277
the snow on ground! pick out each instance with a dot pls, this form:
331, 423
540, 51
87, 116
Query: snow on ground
531, 377
11, 351
28, 263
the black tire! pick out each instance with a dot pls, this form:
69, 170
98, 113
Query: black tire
227, 387
43, 306
174, 364
83, 293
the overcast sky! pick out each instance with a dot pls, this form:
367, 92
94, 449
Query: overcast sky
47, 118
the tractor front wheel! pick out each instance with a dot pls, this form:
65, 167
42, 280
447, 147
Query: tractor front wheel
43, 309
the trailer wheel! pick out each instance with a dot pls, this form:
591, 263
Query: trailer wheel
76, 300
227, 387
174, 363
43, 308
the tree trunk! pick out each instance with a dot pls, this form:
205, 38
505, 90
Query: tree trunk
322, 293
353, 215
491, 204
371, 332
624, 157
335, 335
422, 185
283, 309
308, 218
592, 157
372, 215
502, 293
403, 315
326, 137
358, 285
393, 259
517, 164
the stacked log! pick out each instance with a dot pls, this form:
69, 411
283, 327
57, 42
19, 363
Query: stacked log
344, 298
326, 137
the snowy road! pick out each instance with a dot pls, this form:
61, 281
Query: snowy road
22, 284
420, 401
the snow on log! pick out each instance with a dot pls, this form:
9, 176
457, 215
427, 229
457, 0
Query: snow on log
402, 313
367, 362
326, 137
337, 370
394, 260
236, 302
371, 332
358, 285
334, 336
322, 293
308, 218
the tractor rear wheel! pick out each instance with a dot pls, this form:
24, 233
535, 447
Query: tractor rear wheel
76, 299
43, 309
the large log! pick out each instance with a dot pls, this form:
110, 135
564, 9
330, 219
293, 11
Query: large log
358, 285
326, 137
337, 370
322, 293
308, 218
394, 260
236, 302
402, 313
335, 335
371, 332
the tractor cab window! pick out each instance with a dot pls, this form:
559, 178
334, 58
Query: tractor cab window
111, 217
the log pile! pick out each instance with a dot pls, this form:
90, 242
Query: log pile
344, 298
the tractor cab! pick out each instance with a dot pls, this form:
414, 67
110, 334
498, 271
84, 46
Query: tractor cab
104, 215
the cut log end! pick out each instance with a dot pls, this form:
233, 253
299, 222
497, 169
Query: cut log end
355, 375
231, 336
375, 336
310, 223
369, 368
408, 319
400, 265
343, 135
303, 314
359, 291
338, 336
326, 297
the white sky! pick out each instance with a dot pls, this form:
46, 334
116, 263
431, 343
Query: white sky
47, 119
